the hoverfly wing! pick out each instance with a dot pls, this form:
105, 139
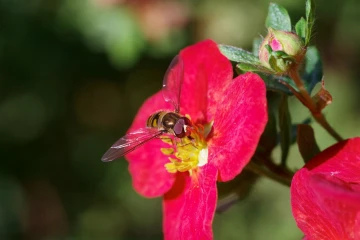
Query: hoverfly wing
130, 142
172, 82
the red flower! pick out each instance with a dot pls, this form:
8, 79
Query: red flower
325, 194
234, 110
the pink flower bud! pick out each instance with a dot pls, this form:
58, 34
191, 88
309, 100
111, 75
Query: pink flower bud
281, 51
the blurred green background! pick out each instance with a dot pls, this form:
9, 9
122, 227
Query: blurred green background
73, 74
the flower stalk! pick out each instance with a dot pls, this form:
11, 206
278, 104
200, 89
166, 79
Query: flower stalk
310, 104
262, 171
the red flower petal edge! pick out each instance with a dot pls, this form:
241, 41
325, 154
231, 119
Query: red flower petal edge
238, 125
207, 74
190, 206
146, 164
325, 194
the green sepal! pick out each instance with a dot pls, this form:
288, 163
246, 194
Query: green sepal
306, 142
281, 55
278, 18
285, 128
301, 29
279, 61
278, 65
238, 55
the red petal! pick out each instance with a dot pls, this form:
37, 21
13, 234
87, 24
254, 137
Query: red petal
190, 205
206, 74
325, 209
238, 124
325, 194
146, 164
341, 160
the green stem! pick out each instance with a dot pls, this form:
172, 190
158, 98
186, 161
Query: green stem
309, 103
257, 169
294, 74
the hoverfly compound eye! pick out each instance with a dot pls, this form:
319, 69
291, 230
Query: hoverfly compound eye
180, 127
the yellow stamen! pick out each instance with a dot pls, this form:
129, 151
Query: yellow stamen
188, 153
167, 151
167, 140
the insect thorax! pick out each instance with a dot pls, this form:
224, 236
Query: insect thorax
170, 122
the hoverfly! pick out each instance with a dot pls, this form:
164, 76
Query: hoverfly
159, 123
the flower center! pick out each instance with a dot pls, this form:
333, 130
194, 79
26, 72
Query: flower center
188, 153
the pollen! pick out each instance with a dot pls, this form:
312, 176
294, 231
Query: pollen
188, 153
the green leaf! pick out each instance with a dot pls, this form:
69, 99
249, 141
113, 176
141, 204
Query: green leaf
278, 18
256, 46
287, 80
313, 71
310, 19
285, 128
251, 68
273, 83
300, 28
306, 142
238, 55
309, 9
